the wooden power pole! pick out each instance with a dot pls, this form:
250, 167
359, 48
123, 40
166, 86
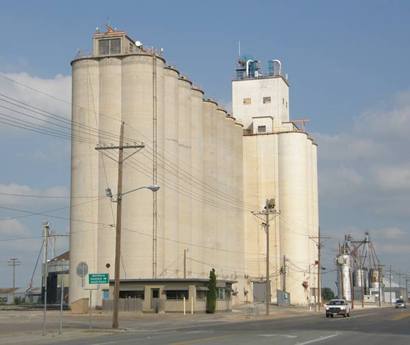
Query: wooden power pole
267, 211
121, 147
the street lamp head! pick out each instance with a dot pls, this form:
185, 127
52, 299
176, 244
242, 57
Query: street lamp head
108, 192
153, 187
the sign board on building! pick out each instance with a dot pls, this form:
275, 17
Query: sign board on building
82, 269
98, 278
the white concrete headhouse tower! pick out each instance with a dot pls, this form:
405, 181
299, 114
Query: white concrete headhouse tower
280, 162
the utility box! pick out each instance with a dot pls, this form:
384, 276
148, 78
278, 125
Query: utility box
283, 298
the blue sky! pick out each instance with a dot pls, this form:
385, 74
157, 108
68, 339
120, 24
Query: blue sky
348, 67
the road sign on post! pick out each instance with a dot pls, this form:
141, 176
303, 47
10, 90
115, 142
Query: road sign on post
98, 278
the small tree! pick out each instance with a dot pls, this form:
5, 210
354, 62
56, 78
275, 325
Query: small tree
211, 294
327, 294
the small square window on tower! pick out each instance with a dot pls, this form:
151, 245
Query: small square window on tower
115, 46
266, 100
261, 129
247, 100
103, 47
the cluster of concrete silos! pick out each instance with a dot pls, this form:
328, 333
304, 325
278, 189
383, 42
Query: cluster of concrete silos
199, 170
283, 165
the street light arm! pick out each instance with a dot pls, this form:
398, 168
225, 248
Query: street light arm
152, 188
130, 191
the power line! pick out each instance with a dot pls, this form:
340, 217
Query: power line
40, 213
110, 136
59, 134
42, 196
111, 226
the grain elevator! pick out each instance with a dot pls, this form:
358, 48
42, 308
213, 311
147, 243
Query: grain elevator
213, 168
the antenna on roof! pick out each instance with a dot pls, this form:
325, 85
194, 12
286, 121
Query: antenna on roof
108, 25
239, 48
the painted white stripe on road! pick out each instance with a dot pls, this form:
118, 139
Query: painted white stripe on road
278, 335
318, 339
107, 342
198, 332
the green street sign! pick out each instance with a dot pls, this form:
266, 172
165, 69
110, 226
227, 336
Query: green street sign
98, 278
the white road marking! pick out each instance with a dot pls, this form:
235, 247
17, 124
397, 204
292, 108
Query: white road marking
277, 335
316, 340
107, 342
198, 332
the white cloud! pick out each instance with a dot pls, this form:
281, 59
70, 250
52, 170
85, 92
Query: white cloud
394, 248
364, 178
12, 227
393, 178
392, 233
372, 157
13, 195
41, 93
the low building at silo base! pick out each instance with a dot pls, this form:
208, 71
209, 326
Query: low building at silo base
57, 279
168, 295
20, 295
7, 295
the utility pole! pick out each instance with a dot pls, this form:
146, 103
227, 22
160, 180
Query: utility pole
319, 244
13, 262
399, 274
380, 284
351, 286
342, 287
46, 233
121, 147
362, 283
319, 274
185, 258
284, 273
154, 166
268, 209
391, 300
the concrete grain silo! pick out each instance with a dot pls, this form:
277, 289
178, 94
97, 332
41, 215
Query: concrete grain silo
171, 196
221, 179
209, 233
293, 191
315, 202
122, 82
84, 175
184, 174
198, 190
109, 89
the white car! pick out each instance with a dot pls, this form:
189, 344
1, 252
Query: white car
400, 303
337, 307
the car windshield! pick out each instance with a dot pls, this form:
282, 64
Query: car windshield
336, 302
399, 301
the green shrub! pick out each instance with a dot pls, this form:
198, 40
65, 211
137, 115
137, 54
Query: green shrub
211, 294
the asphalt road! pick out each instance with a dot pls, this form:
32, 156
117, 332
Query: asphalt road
366, 327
